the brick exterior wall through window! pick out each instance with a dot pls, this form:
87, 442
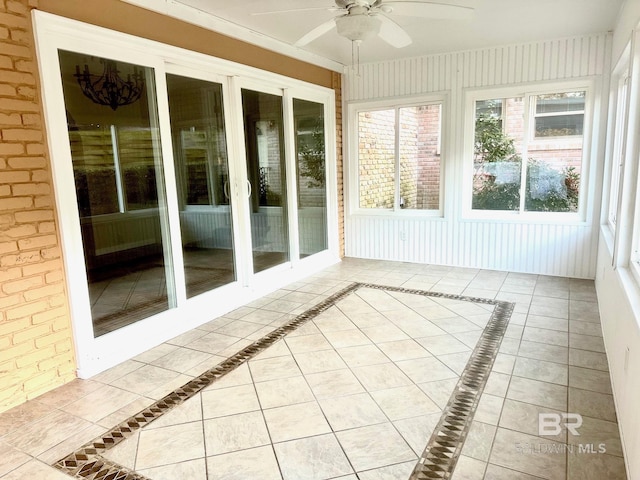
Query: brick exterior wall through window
557, 152
419, 162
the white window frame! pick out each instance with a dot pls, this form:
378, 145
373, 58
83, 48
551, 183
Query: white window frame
627, 236
528, 93
619, 149
353, 161
619, 108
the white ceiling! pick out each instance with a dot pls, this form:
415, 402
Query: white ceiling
494, 22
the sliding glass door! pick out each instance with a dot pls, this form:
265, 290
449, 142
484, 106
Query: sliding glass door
200, 158
311, 176
119, 180
266, 177
154, 237
112, 122
185, 186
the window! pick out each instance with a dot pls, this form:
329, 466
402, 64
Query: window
521, 172
618, 152
399, 157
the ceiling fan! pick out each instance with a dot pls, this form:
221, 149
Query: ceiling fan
362, 19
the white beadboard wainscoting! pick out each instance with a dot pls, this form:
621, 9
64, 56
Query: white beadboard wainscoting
561, 250
560, 247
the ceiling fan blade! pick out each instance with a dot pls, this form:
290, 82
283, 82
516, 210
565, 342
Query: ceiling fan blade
392, 33
437, 10
291, 10
316, 32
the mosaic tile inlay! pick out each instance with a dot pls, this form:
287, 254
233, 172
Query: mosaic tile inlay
442, 450
445, 444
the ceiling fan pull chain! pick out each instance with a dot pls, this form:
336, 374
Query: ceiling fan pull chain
355, 56
353, 53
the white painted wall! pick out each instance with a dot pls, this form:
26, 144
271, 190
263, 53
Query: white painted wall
544, 246
627, 21
619, 303
618, 290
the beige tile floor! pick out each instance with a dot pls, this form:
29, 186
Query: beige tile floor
355, 393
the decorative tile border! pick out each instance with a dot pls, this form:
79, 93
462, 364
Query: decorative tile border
439, 457
443, 448
87, 462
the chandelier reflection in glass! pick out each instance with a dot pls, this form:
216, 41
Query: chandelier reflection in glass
109, 88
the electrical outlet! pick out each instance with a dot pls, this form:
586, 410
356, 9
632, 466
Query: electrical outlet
626, 359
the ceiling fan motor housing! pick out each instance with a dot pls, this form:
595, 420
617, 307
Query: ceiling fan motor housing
358, 25
349, 3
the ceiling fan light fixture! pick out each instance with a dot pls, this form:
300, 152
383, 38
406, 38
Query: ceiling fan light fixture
357, 27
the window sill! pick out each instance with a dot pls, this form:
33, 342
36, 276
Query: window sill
388, 213
608, 236
498, 216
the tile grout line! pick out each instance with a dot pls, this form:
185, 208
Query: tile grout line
88, 463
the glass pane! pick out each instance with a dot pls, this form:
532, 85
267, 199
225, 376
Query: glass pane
560, 102
492, 108
117, 165
420, 157
553, 186
559, 125
497, 161
266, 174
96, 177
137, 168
376, 158
311, 171
562, 114
554, 166
202, 173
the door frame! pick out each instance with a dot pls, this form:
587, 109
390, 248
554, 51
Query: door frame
94, 355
